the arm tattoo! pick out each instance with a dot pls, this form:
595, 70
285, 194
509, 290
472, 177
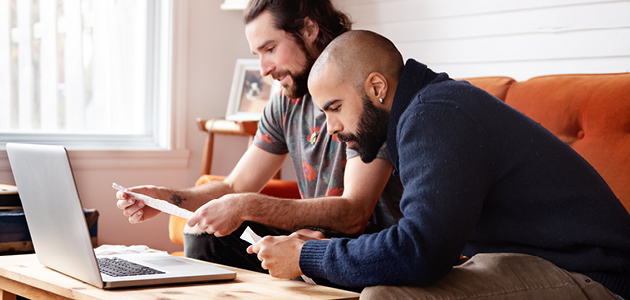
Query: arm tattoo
177, 199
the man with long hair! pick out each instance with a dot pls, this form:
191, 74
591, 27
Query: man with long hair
342, 196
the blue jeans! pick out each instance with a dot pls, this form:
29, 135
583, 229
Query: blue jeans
495, 276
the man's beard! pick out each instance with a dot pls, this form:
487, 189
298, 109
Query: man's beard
371, 132
300, 80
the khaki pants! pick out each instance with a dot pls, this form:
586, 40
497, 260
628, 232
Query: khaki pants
500, 276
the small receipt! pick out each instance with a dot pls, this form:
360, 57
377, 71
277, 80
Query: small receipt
160, 205
251, 237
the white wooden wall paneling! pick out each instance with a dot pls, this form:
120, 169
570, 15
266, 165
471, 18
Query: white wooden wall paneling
523, 70
551, 20
383, 11
493, 37
519, 47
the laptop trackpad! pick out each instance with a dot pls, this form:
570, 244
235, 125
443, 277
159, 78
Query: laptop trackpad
166, 262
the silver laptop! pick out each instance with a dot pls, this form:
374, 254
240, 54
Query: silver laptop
60, 235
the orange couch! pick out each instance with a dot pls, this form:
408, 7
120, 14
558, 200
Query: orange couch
590, 112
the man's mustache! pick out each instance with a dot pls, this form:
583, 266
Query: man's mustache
346, 138
281, 74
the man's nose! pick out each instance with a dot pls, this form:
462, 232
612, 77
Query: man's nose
334, 126
266, 67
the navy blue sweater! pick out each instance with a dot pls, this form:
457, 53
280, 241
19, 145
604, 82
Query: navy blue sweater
479, 177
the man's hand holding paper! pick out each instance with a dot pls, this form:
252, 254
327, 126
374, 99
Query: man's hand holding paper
279, 254
220, 216
135, 210
158, 204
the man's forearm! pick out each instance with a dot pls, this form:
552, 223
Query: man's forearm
334, 213
349, 213
194, 197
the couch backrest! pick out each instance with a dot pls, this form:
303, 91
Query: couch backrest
590, 112
498, 86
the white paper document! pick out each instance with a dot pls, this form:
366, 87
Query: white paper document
250, 236
160, 205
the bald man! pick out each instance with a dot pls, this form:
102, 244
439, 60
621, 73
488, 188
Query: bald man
480, 179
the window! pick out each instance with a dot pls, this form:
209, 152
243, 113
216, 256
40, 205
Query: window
88, 74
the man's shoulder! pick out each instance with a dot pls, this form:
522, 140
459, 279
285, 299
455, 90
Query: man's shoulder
447, 95
451, 88
459, 95
294, 114
281, 101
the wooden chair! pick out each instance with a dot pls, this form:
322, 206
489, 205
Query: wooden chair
275, 187
220, 126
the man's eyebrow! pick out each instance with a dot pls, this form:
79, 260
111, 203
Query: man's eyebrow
329, 103
264, 45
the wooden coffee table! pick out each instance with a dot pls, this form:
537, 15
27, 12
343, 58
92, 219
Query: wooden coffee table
23, 275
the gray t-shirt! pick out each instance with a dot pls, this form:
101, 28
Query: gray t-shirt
298, 127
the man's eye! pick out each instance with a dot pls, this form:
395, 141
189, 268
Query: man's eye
270, 49
335, 109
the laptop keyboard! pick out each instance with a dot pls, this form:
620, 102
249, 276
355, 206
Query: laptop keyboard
117, 267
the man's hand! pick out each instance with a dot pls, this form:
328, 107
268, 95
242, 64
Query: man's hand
221, 216
307, 234
135, 209
279, 254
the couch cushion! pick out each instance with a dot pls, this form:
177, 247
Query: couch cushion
591, 113
495, 85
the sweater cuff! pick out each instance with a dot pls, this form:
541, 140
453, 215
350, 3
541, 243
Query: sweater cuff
312, 258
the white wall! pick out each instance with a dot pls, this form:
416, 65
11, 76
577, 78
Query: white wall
521, 39
462, 37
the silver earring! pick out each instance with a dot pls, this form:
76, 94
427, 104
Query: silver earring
380, 100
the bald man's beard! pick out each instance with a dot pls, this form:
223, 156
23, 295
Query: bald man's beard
371, 132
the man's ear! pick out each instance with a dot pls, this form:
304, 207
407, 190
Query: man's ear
376, 86
310, 31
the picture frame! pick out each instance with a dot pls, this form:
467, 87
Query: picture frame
250, 91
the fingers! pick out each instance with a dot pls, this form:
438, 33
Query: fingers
307, 234
206, 228
218, 229
193, 220
123, 204
121, 195
135, 212
256, 248
137, 217
213, 219
278, 254
218, 233
194, 229
134, 209
197, 224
